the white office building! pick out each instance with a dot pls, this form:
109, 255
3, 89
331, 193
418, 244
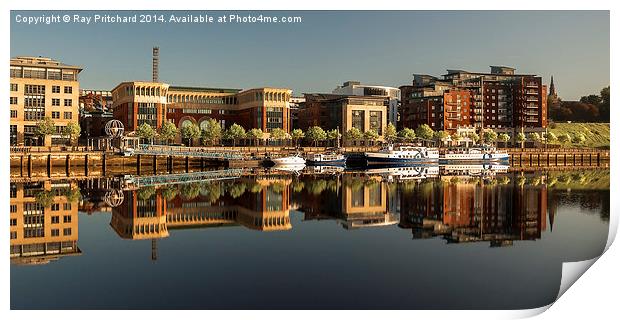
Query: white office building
355, 88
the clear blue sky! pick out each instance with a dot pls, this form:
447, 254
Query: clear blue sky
330, 47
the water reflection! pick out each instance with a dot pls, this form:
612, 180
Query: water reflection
457, 203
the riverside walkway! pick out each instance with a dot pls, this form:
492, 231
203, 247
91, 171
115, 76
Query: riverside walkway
175, 151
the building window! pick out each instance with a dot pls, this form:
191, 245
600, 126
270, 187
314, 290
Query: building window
55, 219
357, 120
68, 89
13, 235
55, 232
375, 122
66, 231
13, 113
13, 100
55, 206
13, 208
66, 219
68, 102
13, 222
66, 206
14, 87
55, 102
55, 114
67, 115
55, 89
34, 89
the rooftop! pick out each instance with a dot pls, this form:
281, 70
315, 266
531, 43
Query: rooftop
25, 61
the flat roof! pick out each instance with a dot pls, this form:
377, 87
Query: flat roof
40, 62
203, 89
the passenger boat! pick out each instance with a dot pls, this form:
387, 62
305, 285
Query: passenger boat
403, 173
482, 153
290, 160
400, 154
331, 158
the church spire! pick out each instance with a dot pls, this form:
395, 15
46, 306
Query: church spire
552, 89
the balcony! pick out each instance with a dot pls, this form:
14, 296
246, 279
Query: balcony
530, 113
530, 99
531, 119
534, 92
531, 105
531, 85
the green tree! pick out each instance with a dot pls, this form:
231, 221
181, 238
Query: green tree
45, 198
277, 134
146, 132
455, 137
333, 135
474, 137
168, 131
72, 131
440, 136
520, 138
503, 137
189, 132
489, 136
533, 136
235, 132
296, 135
371, 136
390, 133
211, 131
407, 135
316, 134
255, 134
579, 138
424, 132
604, 106
551, 137
354, 134
72, 194
45, 127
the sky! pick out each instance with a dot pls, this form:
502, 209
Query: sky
328, 48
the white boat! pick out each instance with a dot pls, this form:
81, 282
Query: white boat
331, 158
476, 153
395, 154
473, 170
290, 160
295, 168
401, 173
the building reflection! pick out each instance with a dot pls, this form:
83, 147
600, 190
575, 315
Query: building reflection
150, 213
43, 222
355, 200
468, 209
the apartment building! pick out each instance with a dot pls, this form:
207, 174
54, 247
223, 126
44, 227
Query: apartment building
42, 87
356, 88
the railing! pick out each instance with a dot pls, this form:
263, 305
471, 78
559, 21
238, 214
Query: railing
186, 151
43, 149
186, 177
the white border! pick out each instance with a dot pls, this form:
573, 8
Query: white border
593, 296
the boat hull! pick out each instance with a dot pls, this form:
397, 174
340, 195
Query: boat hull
340, 162
385, 160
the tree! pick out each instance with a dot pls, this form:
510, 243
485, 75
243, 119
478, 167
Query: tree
277, 134
455, 137
371, 136
489, 136
71, 131
474, 137
145, 131
333, 135
440, 136
168, 131
297, 134
564, 139
390, 133
255, 134
210, 132
604, 106
190, 132
520, 138
579, 138
407, 134
551, 137
235, 132
315, 134
45, 127
533, 136
503, 137
424, 132
354, 134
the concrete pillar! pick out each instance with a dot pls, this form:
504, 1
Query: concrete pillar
154, 164
21, 166
103, 163
186, 164
68, 165
138, 164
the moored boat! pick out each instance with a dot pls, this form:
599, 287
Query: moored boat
481, 153
290, 160
402, 154
331, 158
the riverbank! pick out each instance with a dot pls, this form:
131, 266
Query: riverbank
597, 134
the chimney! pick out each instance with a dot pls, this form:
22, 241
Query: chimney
155, 64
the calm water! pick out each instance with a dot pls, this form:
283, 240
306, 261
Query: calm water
403, 238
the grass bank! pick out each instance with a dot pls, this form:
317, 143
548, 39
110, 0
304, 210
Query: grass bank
597, 134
